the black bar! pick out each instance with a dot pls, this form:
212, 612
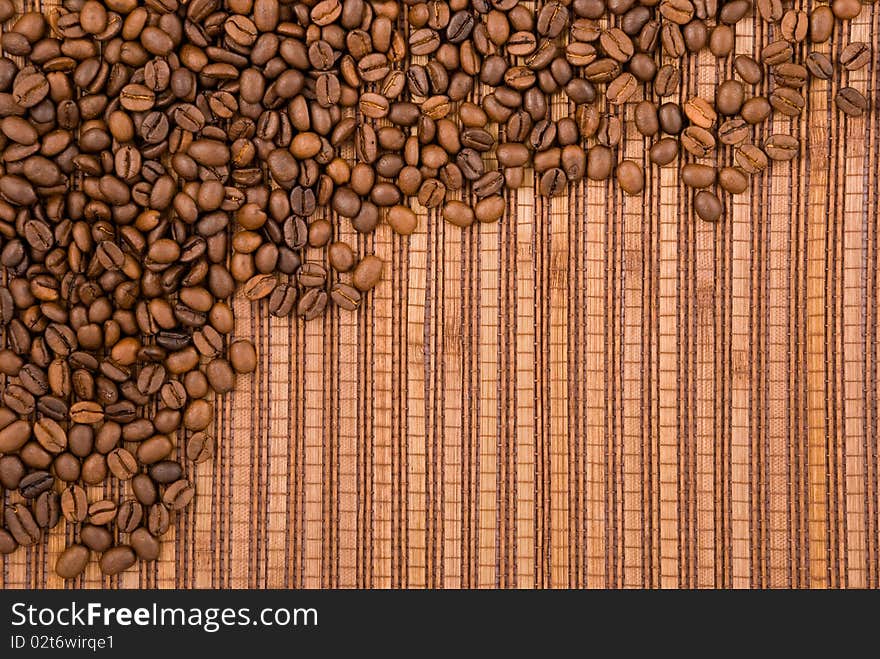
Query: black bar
415, 623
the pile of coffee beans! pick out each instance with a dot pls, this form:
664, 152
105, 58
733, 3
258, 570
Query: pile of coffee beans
158, 156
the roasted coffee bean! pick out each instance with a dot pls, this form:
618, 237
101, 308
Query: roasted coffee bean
729, 97
819, 66
821, 23
116, 560
695, 175
707, 206
751, 159
697, 141
787, 101
663, 151
781, 147
733, 180
850, 101
755, 110
74, 504
145, 544
630, 177
12, 470
47, 510
458, 213
35, 483
72, 561
748, 69
22, 525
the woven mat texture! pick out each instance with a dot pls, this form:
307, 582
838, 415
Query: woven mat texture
597, 391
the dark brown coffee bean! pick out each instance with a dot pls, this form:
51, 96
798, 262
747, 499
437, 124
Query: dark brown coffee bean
145, 544
707, 206
751, 159
700, 112
95, 537
855, 55
458, 213
12, 470
697, 141
850, 101
345, 296
787, 101
21, 525
50, 435
47, 510
777, 52
630, 177
129, 516
695, 175
770, 10
819, 66
733, 131
178, 495
35, 483
733, 180
781, 147
72, 561
668, 80
122, 464
748, 69
729, 97
821, 24
794, 25
756, 110
117, 559
664, 151
790, 74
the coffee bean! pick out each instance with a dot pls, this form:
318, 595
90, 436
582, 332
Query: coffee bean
21, 525
707, 206
755, 110
646, 120
243, 356
178, 495
12, 470
787, 101
751, 159
733, 180
695, 175
145, 544
667, 81
74, 504
819, 66
850, 101
35, 483
733, 131
700, 112
116, 560
50, 435
402, 220
96, 538
122, 464
729, 97
821, 24
458, 213
630, 177
7, 542
770, 10
781, 147
663, 151
794, 25
311, 304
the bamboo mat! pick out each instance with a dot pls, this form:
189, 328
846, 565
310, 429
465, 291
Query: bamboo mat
598, 391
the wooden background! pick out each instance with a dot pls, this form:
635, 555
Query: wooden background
598, 391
